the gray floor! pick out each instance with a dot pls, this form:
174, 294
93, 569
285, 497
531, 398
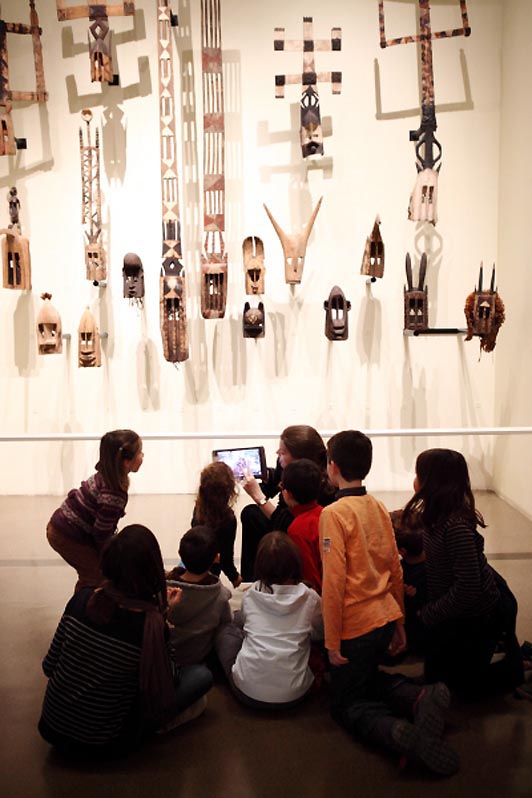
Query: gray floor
231, 751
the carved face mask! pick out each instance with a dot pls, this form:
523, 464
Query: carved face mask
311, 133
49, 331
173, 316
336, 308
373, 258
253, 321
416, 313
484, 311
89, 351
254, 269
133, 275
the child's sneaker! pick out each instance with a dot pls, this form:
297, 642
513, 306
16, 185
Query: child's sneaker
430, 709
426, 749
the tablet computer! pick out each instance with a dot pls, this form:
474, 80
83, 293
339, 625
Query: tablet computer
243, 458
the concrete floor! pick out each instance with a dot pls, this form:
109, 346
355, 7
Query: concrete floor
231, 751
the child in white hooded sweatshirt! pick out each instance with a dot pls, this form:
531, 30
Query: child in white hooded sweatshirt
265, 651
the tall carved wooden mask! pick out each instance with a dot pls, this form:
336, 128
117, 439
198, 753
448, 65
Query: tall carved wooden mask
416, 304
373, 258
89, 349
173, 314
49, 329
254, 268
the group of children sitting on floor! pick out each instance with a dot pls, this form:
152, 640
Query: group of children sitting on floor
347, 589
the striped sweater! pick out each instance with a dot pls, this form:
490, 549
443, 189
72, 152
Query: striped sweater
92, 509
460, 582
93, 671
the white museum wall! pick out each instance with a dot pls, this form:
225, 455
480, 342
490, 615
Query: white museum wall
377, 379
512, 463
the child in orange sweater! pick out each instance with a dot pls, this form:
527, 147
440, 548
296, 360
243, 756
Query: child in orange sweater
362, 605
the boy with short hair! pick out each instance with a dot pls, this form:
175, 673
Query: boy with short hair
204, 604
362, 605
409, 541
301, 486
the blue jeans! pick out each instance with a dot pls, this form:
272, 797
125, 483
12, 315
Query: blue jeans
365, 700
191, 682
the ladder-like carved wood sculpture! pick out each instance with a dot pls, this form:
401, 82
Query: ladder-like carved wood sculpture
311, 133
173, 310
214, 256
423, 202
100, 44
91, 202
294, 246
15, 249
8, 143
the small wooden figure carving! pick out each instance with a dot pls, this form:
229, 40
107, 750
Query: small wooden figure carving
311, 133
373, 258
173, 318
484, 312
15, 249
214, 256
254, 268
294, 247
253, 321
133, 275
49, 330
100, 44
89, 349
423, 202
336, 308
91, 198
174, 314
416, 302
8, 142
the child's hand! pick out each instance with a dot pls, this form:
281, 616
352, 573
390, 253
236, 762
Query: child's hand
251, 486
336, 659
410, 591
398, 643
173, 596
238, 581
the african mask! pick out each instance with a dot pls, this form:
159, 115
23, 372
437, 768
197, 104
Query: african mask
416, 299
213, 286
311, 132
89, 350
173, 313
133, 275
253, 321
373, 258
336, 307
294, 247
254, 268
15, 249
484, 312
422, 207
49, 331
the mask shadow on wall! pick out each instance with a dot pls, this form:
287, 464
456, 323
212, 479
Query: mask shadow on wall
369, 334
297, 166
18, 171
196, 369
428, 240
465, 105
148, 375
414, 409
277, 325
229, 358
25, 353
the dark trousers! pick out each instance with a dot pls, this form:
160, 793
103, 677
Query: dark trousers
254, 526
365, 700
459, 651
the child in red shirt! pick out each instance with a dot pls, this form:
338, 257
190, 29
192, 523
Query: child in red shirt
301, 486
